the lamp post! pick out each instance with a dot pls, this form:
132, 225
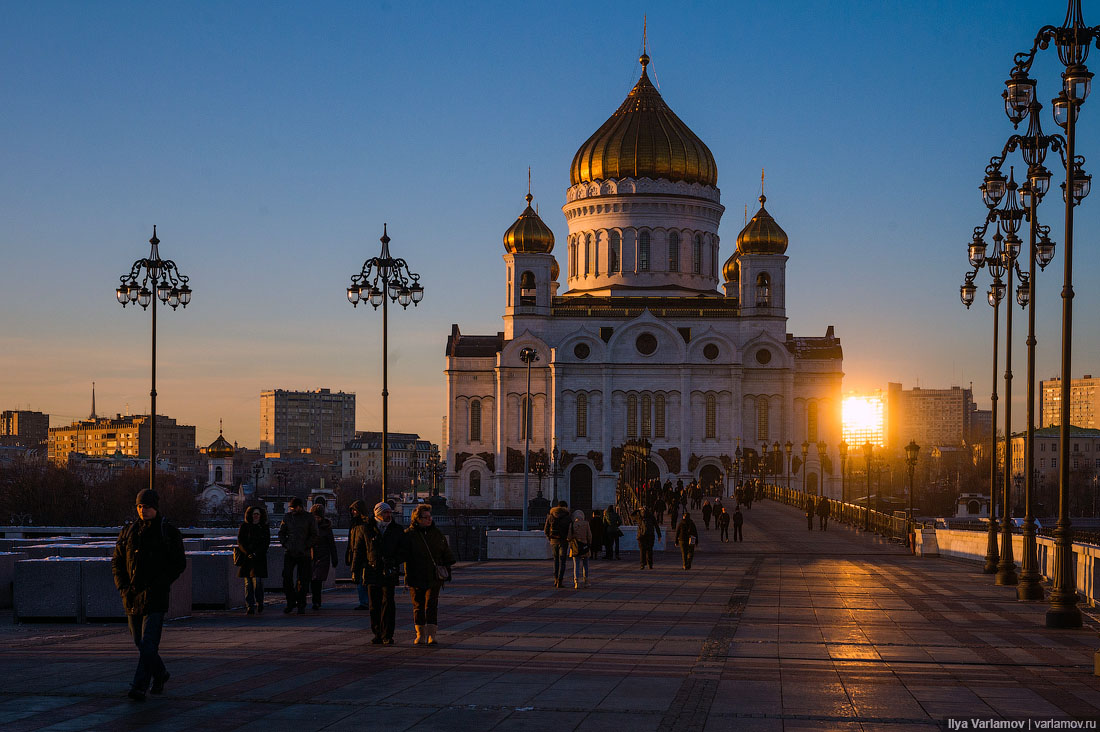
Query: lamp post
257, 469
868, 452
151, 279
788, 447
1072, 40
737, 455
401, 285
554, 469
843, 473
822, 449
414, 471
805, 452
528, 356
777, 461
911, 452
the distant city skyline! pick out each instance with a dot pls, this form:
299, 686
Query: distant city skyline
270, 143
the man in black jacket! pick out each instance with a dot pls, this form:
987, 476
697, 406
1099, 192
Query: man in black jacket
557, 533
148, 558
298, 535
372, 557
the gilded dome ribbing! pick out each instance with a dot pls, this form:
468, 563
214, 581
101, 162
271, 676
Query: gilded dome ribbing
731, 270
762, 235
529, 235
644, 139
554, 271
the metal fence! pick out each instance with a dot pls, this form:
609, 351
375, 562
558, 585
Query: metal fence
890, 526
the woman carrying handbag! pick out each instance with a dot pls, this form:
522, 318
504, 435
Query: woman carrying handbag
580, 546
428, 559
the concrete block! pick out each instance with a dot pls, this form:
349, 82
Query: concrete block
510, 544
7, 575
41, 551
343, 571
214, 581
86, 550
926, 545
99, 596
628, 542
47, 588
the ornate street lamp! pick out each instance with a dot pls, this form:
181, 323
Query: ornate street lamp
843, 472
737, 455
868, 453
911, 452
805, 452
151, 279
555, 467
257, 469
382, 279
788, 447
528, 356
1072, 39
822, 449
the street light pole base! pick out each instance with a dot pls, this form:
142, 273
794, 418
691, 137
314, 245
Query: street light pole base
1029, 590
1063, 618
992, 555
1007, 575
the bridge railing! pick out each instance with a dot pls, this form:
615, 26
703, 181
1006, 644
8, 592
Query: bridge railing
888, 525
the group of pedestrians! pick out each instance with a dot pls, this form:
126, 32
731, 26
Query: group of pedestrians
822, 508
149, 556
580, 538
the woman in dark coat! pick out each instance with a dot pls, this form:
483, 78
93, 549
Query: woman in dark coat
253, 539
422, 548
323, 553
686, 536
596, 524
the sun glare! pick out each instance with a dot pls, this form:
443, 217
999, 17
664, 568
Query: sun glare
862, 418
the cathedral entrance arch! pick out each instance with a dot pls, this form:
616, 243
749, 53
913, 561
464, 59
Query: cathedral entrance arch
811, 483
709, 475
652, 470
580, 489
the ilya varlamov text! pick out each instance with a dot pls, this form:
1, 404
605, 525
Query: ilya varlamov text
975, 723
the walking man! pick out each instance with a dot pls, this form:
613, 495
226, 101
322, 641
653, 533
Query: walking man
648, 532
358, 511
724, 525
557, 532
297, 534
148, 558
686, 537
738, 522
823, 512
372, 551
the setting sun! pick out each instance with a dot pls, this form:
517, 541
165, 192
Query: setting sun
862, 417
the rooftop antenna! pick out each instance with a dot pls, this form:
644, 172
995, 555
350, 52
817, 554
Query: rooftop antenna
92, 415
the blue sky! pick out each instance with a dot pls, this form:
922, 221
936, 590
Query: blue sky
270, 141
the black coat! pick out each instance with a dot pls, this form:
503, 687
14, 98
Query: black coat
648, 529
421, 549
298, 534
372, 554
148, 558
684, 530
253, 540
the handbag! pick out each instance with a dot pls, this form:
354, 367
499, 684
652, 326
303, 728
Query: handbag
442, 571
239, 557
578, 549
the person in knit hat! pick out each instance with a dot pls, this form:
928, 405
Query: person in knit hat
373, 559
148, 558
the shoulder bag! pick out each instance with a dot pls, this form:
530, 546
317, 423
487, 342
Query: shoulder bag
442, 571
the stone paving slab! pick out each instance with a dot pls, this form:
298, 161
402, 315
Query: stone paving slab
789, 630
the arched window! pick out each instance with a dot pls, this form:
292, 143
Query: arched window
631, 416
643, 251
762, 420
527, 289
573, 257
811, 422
525, 419
673, 251
475, 420
614, 253
587, 253
582, 415
697, 255
475, 483
647, 415
712, 417
763, 290
659, 415
714, 260
218, 474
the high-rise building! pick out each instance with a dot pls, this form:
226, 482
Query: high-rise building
931, 417
1084, 402
128, 436
864, 420
318, 421
362, 458
24, 427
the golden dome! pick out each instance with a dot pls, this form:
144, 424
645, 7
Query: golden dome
529, 235
555, 270
731, 270
644, 139
762, 235
220, 448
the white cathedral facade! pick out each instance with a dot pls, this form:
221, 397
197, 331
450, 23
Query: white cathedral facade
642, 342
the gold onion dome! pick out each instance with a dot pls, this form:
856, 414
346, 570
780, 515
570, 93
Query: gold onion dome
644, 139
555, 270
529, 235
220, 448
762, 235
731, 270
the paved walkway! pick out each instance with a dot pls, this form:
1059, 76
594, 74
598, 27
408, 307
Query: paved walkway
790, 630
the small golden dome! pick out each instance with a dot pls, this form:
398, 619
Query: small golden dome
554, 271
762, 235
220, 448
529, 235
644, 139
731, 270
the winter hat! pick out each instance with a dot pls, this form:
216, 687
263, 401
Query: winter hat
359, 507
295, 502
148, 497
382, 506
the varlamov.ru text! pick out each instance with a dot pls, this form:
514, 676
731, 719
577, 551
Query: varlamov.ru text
1024, 724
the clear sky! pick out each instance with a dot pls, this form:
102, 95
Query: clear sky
269, 141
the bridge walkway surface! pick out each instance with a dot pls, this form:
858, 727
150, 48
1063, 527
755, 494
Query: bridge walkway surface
789, 630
